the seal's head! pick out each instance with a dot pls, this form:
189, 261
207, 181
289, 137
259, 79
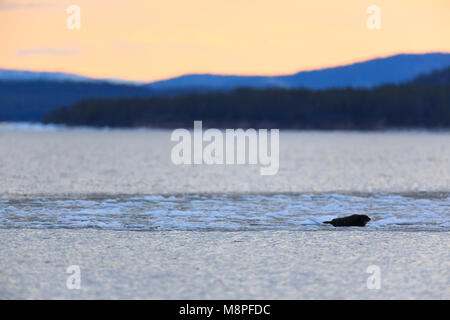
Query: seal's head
361, 219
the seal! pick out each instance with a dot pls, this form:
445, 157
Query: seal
356, 220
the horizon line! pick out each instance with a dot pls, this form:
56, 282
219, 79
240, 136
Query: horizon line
344, 64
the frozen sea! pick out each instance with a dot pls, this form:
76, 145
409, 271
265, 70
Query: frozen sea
54, 177
79, 197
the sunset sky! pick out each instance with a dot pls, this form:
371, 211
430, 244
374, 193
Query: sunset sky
150, 40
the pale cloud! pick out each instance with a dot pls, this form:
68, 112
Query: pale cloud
13, 5
47, 51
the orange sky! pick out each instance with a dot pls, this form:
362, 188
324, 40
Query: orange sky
155, 39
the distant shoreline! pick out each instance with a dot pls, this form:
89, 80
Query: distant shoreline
423, 103
41, 126
406, 106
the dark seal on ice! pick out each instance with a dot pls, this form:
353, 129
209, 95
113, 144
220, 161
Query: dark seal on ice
356, 220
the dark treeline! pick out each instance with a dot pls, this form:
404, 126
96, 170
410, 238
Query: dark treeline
414, 105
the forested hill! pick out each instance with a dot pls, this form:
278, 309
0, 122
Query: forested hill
29, 100
413, 105
436, 77
27, 95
